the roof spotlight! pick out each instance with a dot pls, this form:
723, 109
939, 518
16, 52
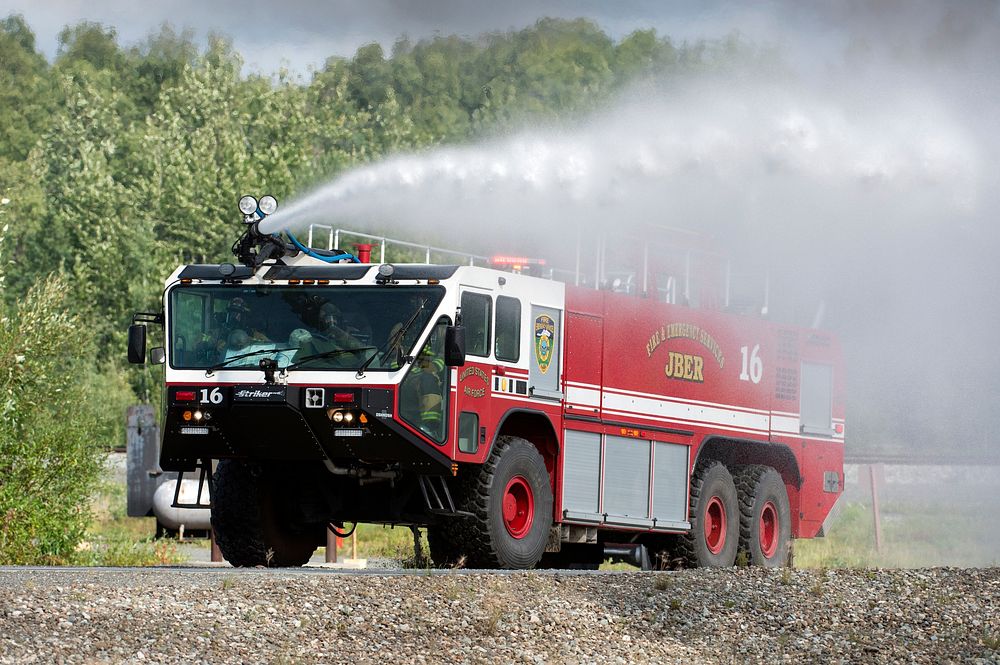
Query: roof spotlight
268, 204
248, 205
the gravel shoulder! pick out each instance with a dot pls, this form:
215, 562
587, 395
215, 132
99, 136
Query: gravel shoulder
696, 616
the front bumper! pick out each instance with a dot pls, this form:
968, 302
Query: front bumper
269, 422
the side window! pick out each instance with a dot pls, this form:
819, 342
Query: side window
816, 399
423, 394
189, 329
468, 432
476, 313
508, 329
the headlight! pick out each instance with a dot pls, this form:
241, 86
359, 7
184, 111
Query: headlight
268, 204
248, 205
338, 416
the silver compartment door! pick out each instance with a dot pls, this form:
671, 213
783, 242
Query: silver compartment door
626, 481
582, 476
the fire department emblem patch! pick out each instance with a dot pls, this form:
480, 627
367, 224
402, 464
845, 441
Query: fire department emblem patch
545, 333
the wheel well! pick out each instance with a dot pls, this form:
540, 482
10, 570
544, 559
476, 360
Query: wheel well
536, 428
741, 451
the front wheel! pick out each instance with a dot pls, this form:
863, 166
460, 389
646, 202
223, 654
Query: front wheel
765, 516
510, 498
715, 523
251, 527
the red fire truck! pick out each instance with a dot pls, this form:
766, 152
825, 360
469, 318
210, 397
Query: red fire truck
522, 420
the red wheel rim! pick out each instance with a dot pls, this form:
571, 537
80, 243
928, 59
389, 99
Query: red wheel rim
715, 525
767, 534
518, 507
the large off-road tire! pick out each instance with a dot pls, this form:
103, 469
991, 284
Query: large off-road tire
250, 526
765, 516
715, 519
445, 551
510, 499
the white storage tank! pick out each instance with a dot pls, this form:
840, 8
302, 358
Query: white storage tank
192, 519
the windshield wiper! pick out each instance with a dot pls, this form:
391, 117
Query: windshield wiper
395, 340
208, 372
327, 354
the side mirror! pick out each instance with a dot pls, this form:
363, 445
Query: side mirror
137, 344
454, 346
157, 355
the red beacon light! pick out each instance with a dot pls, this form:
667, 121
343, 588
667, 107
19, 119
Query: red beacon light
185, 396
517, 264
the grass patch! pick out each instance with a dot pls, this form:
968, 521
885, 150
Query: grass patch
376, 541
913, 536
850, 542
114, 539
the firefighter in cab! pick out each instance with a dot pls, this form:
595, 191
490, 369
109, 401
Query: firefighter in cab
423, 400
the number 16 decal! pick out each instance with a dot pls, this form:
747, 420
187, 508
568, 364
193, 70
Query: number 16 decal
753, 366
215, 397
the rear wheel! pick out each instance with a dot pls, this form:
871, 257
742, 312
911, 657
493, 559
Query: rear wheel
714, 514
765, 516
252, 526
510, 499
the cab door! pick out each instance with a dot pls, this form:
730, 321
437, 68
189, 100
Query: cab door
473, 397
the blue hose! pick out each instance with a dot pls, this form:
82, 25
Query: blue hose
336, 258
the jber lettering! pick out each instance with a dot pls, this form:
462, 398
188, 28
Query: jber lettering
685, 366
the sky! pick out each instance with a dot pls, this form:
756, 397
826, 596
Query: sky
301, 34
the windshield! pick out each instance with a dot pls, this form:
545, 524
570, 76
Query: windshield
314, 327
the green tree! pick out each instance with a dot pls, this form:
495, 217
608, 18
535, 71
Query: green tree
193, 160
346, 135
158, 63
90, 43
91, 229
49, 460
437, 83
25, 92
370, 76
642, 54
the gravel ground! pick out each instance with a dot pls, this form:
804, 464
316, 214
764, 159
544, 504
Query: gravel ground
697, 616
